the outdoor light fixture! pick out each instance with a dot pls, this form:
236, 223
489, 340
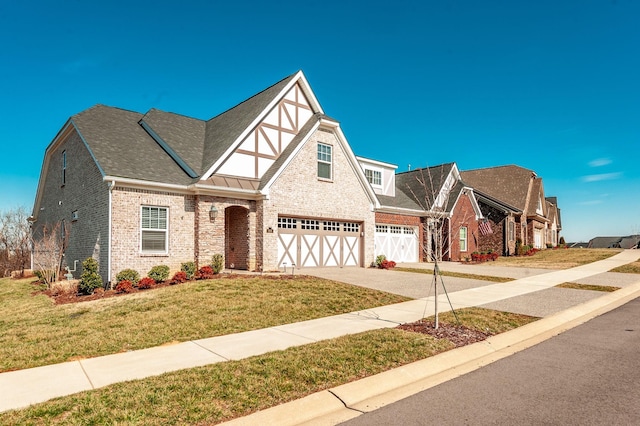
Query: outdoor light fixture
213, 213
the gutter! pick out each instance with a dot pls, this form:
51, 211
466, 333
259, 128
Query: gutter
112, 185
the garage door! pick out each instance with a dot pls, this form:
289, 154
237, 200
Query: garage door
316, 242
397, 243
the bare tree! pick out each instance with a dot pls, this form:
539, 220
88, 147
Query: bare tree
434, 190
14, 241
49, 245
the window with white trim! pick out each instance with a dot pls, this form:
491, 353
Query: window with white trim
154, 227
463, 238
373, 176
324, 161
395, 229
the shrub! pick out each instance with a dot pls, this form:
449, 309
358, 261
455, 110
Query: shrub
179, 277
159, 273
188, 268
387, 264
130, 275
90, 279
379, 259
205, 273
146, 283
125, 286
64, 287
217, 263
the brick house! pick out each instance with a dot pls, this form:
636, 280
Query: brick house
257, 183
423, 214
513, 202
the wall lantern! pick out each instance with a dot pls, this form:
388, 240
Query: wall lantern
213, 213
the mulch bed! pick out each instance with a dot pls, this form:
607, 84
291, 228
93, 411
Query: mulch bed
457, 334
64, 298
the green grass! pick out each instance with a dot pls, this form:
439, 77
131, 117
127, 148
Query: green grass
575, 286
35, 332
455, 274
223, 391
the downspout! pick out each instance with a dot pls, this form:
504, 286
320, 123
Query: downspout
112, 184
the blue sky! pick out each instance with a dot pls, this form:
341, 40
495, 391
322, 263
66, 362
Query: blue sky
552, 86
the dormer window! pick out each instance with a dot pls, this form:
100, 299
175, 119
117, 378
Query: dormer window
373, 176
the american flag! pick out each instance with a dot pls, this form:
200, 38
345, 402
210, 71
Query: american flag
485, 228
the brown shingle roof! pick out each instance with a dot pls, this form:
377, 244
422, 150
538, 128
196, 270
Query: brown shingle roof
509, 184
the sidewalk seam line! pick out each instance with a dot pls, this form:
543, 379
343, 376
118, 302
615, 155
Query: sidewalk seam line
87, 375
209, 350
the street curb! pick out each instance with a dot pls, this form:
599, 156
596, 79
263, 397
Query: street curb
350, 400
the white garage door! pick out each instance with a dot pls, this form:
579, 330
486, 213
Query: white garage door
397, 243
315, 242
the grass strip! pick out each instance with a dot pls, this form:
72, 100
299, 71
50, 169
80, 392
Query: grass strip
592, 287
455, 274
223, 391
35, 332
629, 268
557, 258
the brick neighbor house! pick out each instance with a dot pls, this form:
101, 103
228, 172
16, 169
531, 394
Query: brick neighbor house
269, 183
513, 202
424, 213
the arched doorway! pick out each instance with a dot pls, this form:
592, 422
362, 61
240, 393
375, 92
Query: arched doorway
236, 241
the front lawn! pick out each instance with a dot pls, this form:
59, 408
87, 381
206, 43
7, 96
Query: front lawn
219, 392
556, 258
34, 331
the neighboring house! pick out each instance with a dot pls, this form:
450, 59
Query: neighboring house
512, 198
627, 242
427, 213
269, 183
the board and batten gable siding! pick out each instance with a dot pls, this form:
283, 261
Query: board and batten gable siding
299, 192
125, 230
84, 192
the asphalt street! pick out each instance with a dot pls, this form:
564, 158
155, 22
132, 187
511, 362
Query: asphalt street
589, 375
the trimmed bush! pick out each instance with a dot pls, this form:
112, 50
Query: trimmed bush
125, 286
217, 263
387, 264
130, 275
159, 273
146, 283
179, 277
90, 279
205, 273
188, 268
381, 258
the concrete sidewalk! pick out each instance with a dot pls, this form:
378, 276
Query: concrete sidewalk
25, 387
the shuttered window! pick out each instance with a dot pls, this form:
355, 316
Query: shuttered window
154, 227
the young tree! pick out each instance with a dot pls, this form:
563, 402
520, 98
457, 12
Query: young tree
436, 190
49, 245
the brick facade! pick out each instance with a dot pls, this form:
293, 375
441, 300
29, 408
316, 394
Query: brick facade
463, 215
126, 251
83, 192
